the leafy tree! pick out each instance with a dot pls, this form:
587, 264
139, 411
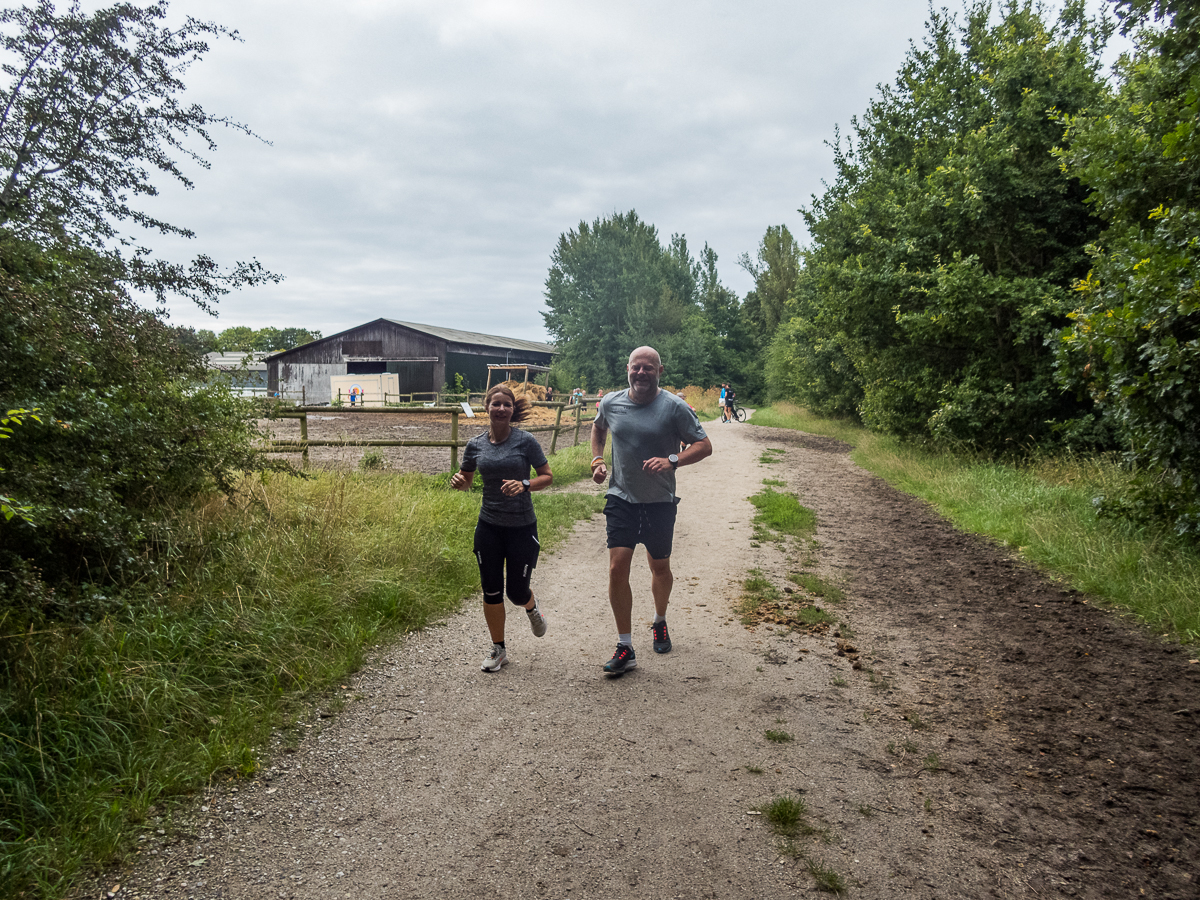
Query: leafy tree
127, 426
1134, 345
294, 337
613, 287
943, 253
775, 270
189, 340
91, 115
237, 339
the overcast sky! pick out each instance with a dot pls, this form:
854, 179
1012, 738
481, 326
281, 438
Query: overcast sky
426, 155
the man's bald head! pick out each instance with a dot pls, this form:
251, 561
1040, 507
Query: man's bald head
650, 352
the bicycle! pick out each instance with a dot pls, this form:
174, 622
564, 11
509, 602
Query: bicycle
739, 412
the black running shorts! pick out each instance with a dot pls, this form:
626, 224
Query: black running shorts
651, 524
498, 547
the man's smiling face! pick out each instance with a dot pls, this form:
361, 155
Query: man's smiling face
644, 369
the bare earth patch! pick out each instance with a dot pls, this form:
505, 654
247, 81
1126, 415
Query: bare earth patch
967, 729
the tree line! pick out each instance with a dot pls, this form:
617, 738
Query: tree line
1005, 260
242, 339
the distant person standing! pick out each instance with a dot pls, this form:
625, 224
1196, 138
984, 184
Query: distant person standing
730, 396
721, 402
506, 534
647, 426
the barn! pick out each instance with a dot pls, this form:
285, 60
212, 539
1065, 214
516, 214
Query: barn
423, 357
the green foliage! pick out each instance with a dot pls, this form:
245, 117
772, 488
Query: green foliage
127, 424
775, 270
613, 286
242, 339
1134, 345
943, 253
92, 119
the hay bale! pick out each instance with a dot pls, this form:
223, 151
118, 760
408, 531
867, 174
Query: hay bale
523, 389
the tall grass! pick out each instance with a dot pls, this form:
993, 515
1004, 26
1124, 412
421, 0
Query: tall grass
704, 400
1042, 509
273, 597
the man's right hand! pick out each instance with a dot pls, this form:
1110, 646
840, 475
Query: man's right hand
599, 473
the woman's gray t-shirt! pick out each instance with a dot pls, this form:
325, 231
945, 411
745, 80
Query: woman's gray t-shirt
510, 460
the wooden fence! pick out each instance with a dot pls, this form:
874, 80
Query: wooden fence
578, 414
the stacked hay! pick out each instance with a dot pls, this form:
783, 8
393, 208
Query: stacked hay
525, 389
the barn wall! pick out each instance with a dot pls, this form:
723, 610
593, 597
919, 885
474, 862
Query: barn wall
313, 378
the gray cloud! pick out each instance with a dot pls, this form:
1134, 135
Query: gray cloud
426, 155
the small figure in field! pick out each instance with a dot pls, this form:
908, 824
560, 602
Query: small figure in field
506, 534
721, 402
647, 425
730, 396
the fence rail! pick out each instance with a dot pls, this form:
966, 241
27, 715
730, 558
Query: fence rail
582, 412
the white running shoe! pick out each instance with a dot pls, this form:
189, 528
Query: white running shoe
495, 659
536, 621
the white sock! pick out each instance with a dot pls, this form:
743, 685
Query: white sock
626, 639
658, 619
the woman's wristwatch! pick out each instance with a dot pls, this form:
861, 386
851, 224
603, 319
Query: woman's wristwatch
525, 481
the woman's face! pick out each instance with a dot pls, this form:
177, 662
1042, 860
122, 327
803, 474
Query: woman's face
500, 407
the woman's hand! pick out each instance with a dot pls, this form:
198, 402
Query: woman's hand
459, 482
511, 488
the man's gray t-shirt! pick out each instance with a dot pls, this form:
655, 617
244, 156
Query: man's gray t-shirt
509, 461
640, 433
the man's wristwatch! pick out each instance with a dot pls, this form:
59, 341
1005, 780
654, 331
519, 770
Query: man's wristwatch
673, 459
526, 483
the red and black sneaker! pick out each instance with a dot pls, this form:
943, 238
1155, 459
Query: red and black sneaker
623, 660
662, 640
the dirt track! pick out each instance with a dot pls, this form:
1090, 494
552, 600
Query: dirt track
1065, 741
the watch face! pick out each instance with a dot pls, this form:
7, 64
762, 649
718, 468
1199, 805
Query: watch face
526, 483
673, 459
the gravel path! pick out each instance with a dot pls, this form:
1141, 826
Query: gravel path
550, 780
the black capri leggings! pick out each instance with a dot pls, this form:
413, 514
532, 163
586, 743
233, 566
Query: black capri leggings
515, 545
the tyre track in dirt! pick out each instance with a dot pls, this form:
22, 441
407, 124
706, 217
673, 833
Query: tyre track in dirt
549, 780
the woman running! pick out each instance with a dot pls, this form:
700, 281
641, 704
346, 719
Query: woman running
507, 530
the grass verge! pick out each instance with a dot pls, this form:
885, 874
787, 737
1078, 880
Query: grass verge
1041, 508
273, 598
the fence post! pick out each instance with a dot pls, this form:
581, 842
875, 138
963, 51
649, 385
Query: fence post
303, 397
454, 439
578, 422
554, 440
304, 438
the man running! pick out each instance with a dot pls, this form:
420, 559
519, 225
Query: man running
647, 425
